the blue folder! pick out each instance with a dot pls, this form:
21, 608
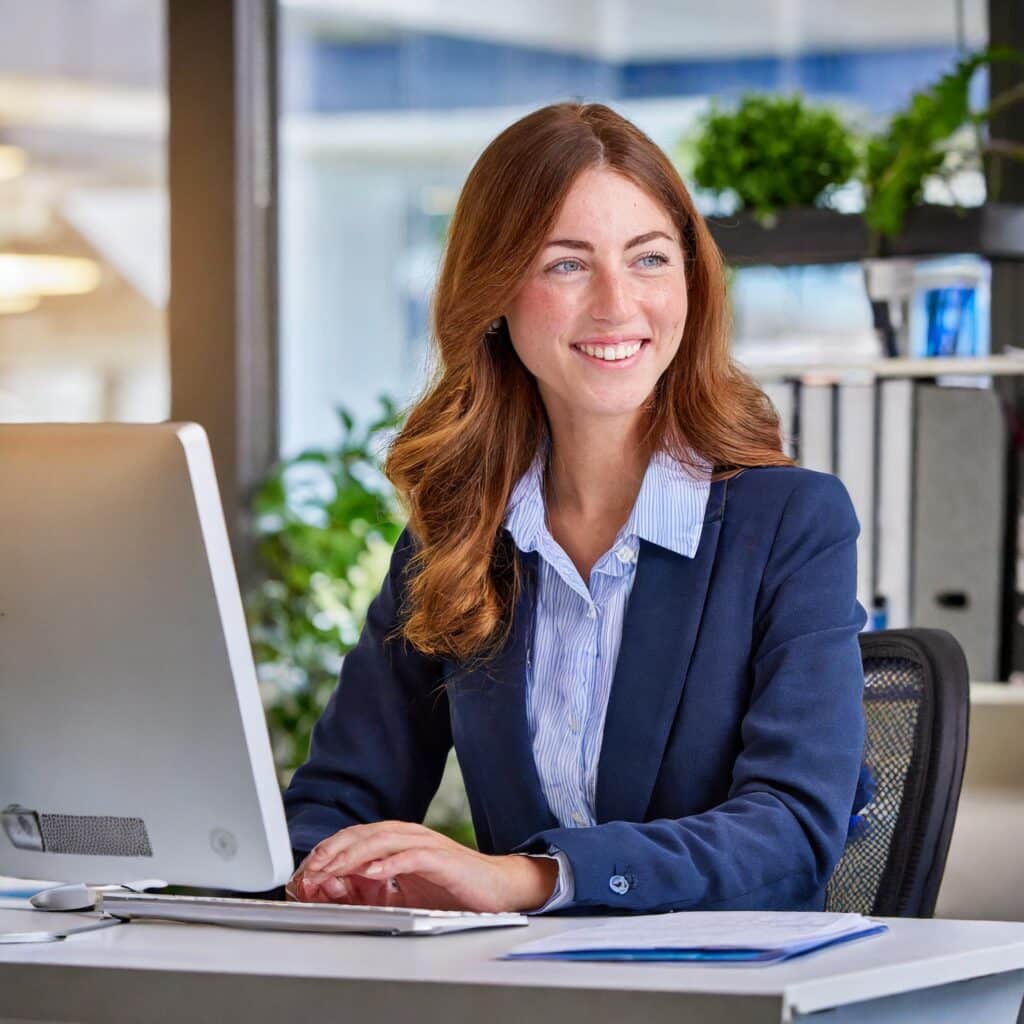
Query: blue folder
758, 956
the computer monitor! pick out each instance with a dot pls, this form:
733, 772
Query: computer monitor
133, 742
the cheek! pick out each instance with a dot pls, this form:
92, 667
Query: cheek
542, 317
672, 310
543, 306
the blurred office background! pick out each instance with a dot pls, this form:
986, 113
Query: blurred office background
383, 108
306, 156
83, 211
386, 106
233, 211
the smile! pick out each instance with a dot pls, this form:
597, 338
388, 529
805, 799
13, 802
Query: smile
622, 352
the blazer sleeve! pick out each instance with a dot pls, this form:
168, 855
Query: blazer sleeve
774, 842
379, 749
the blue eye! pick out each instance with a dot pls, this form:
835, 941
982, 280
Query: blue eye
659, 258
561, 262
654, 256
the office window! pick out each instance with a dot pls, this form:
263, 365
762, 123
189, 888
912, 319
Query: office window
384, 113
83, 211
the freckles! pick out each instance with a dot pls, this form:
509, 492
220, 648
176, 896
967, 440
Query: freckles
548, 309
674, 309
539, 297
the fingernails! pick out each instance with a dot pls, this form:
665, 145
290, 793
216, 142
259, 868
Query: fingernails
374, 868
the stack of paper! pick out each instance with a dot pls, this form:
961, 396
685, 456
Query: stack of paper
754, 936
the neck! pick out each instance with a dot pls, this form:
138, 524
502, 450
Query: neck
595, 469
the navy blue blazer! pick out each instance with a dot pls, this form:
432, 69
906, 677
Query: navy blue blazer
733, 738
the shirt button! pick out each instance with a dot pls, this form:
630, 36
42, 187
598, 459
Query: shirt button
618, 884
578, 818
624, 555
574, 724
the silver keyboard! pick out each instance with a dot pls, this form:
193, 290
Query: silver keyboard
276, 915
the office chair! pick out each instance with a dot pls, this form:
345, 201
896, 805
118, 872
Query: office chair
916, 703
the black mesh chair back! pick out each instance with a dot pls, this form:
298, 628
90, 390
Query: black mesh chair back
916, 705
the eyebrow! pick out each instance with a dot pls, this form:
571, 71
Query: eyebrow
575, 243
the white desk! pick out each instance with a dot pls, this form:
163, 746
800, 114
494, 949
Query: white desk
949, 971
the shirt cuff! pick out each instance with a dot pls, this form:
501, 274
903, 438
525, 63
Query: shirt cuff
565, 888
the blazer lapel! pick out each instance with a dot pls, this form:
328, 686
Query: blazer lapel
658, 636
488, 706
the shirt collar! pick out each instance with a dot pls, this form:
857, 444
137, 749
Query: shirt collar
669, 509
524, 514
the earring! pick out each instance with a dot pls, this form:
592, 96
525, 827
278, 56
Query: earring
495, 325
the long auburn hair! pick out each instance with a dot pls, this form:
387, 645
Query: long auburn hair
478, 426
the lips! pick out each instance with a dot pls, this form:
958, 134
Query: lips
611, 350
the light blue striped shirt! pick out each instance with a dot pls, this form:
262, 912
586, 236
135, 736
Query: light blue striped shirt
578, 629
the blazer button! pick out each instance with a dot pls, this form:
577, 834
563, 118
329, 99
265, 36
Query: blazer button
618, 884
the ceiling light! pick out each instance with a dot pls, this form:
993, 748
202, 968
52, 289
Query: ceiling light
23, 274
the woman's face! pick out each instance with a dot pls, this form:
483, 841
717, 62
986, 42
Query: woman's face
601, 312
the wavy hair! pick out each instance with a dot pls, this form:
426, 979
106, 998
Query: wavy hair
478, 426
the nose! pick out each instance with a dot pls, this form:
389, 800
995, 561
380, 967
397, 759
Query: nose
611, 299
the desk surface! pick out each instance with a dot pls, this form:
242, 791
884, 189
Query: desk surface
914, 954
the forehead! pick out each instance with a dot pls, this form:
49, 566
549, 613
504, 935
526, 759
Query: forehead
603, 203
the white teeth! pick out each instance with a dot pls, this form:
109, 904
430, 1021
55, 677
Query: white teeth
611, 353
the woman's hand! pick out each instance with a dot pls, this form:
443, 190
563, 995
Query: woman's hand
401, 864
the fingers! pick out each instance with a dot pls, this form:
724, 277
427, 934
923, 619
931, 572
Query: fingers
293, 885
338, 890
350, 850
428, 874
347, 867
321, 889
327, 848
302, 889
428, 861
305, 887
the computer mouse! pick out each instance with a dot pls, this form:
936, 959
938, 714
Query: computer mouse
75, 896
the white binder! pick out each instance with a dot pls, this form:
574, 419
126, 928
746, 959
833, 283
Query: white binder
855, 466
895, 543
814, 437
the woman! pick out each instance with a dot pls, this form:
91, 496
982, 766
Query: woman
630, 612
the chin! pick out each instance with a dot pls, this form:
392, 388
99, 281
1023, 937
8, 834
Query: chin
615, 409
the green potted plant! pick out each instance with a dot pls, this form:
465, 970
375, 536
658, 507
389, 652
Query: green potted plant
774, 152
325, 522
782, 161
935, 137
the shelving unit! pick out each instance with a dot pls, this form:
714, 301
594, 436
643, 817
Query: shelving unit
813, 236
961, 366
805, 237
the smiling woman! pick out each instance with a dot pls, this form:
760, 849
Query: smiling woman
584, 175
617, 598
